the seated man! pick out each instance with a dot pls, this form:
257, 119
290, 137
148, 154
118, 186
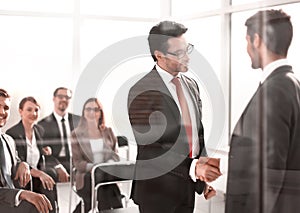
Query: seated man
57, 129
14, 200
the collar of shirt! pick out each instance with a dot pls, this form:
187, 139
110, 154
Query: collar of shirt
271, 67
58, 117
166, 77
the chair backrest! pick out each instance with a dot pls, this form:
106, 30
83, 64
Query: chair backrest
122, 141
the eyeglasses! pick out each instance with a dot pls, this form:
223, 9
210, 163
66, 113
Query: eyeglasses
181, 53
95, 109
63, 96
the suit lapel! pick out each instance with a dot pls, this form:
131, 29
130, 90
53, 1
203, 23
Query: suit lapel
11, 149
85, 145
21, 140
197, 104
71, 123
56, 129
158, 84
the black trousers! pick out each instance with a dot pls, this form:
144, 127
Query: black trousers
38, 188
109, 196
24, 207
65, 161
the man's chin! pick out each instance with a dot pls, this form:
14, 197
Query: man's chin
63, 109
2, 124
184, 69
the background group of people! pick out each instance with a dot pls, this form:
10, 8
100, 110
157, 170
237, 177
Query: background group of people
165, 112
45, 147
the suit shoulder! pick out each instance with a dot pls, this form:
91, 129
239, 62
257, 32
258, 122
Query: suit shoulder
74, 116
12, 131
45, 120
39, 128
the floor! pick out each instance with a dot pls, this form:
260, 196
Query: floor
214, 205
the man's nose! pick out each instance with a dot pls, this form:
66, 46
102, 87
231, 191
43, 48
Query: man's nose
2, 111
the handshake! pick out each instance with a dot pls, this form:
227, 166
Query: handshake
208, 170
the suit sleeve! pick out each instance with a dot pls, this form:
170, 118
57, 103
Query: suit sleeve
7, 196
278, 115
79, 161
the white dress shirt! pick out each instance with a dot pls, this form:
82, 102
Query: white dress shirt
33, 153
97, 149
271, 67
58, 120
167, 78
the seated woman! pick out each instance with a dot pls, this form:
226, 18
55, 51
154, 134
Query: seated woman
29, 144
93, 143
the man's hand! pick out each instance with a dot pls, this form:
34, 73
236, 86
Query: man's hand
23, 174
47, 150
63, 175
40, 201
207, 169
209, 192
47, 181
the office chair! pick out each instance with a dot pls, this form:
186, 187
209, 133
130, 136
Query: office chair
123, 144
122, 169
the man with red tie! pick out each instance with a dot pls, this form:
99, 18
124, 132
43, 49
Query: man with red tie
165, 114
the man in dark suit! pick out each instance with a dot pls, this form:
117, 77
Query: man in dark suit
264, 169
166, 122
14, 173
57, 129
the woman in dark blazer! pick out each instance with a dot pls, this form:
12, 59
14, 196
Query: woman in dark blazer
93, 143
29, 144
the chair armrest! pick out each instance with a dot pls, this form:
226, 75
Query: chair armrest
122, 169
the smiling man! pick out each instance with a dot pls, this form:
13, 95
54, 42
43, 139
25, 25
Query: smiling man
264, 169
165, 114
57, 129
14, 173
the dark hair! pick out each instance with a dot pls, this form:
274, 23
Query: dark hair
160, 33
61, 88
4, 94
29, 98
101, 122
275, 29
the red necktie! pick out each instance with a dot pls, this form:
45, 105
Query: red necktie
186, 118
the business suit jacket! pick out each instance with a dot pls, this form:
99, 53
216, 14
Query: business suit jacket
83, 155
51, 135
18, 133
7, 195
266, 138
162, 167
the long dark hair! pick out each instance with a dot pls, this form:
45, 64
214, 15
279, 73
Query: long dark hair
101, 122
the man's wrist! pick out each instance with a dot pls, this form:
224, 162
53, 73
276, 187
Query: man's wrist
17, 198
193, 170
59, 166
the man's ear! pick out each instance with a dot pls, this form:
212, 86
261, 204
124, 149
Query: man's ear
159, 55
257, 40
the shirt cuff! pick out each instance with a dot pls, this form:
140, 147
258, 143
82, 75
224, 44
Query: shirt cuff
58, 166
17, 198
192, 170
223, 165
89, 167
